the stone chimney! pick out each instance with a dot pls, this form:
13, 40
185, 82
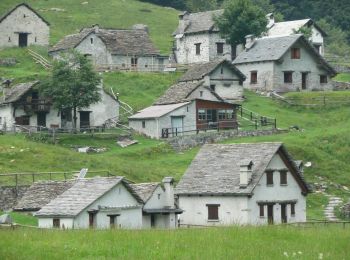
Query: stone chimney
183, 21
270, 20
5, 88
249, 41
245, 173
140, 26
96, 28
168, 183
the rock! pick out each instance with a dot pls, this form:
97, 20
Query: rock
54, 9
5, 219
125, 142
84, 3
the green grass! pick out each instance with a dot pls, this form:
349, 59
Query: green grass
345, 77
272, 242
107, 13
23, 218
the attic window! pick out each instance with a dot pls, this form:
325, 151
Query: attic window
159, 196
295, 53
198, 48
92, 40
269, 178
220, 47
201, 93
283, 177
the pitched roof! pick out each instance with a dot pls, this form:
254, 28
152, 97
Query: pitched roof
199, 22
30, 8
156, 111
41, 193
273, 49
290, 27
117, 41
199, 71
216, 168
144, 190
16, 92
82, 194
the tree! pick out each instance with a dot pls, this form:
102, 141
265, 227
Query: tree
73, 84
201, 5
240, 18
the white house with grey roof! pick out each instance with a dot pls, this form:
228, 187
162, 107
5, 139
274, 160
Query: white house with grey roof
197, 39
292, 27
282, 64
242, 184
24, 105
22, 26
204, 98
112, 202
120, 49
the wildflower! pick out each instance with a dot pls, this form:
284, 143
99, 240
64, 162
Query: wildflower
300, 253
320, 256
285, 254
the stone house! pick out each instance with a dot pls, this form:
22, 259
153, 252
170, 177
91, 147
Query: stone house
112, 202
292, 27
201, 100
282, 64
118, 49
197, 39
242, 184
23, 26
23, 105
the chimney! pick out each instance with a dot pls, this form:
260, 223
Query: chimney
245, 173
270, 20
168, 183
96, 28
6, 86
183, 21
140, 26
249, 41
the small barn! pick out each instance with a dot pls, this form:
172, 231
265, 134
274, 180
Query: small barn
242, 184
23, 105
119, 49
23, 26
112, 202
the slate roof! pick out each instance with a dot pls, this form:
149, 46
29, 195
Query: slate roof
41, 193
157, 111
289, 27
273, 48
16, 92
199, 71
118, 42
30, 8
216, 168
200, 22
83, 193
144, 190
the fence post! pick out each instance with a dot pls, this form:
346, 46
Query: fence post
256, 124
275, 123
251, 116
53, 136
50, 176
33, 177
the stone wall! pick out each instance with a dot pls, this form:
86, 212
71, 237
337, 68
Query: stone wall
189, 141
9, 196
341, 85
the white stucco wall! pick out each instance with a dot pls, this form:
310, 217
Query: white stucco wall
23, 20
66, 223
6, 112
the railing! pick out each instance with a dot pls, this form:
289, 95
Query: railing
256, 119
40, 59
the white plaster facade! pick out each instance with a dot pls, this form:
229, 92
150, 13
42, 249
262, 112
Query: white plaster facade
244, 210
24, 21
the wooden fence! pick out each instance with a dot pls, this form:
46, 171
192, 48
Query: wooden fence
320, 101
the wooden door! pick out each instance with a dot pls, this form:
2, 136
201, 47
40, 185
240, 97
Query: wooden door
270, 214
303, 80
41, 119
22, 39
284, 213
153, 220
84, 119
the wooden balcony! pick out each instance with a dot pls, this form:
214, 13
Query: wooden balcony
37, 105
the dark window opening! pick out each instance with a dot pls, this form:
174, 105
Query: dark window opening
288, 77
213, 212
220, 47
35, 39
318, 48
133, 62
143, 124
9, 39
323, 79
283, 178
269, 178
92, 216
201, 114
56, 223
241, 83
92, 40
295, 53
198, 48
253, 77
212, 87
113, 220
201, 93
261, 207
292, 209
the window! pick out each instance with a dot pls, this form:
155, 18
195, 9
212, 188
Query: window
92, 40
35, 39
241, 83
295, 53
187, 109
56, 223
159, 196
261, 207
213, 211
269, 178
198, 48
318, 48
112, 220
323, 79
253, 77
222, 70
92, 219
0, 120
220, 47
209, 114
229, 114
201, 114
143, 124
212, 87
283, 177
201, 93
133, 62
288, 77
292, 209
222, 114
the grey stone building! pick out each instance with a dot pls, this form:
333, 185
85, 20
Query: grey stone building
114, 48
197, 39
284, 63
23, 26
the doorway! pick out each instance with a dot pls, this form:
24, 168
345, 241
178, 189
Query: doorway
23, 39
41, 119
84, 119
284, 213
153, 220
303, 80
270, 214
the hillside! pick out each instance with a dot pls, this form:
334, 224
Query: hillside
69, 16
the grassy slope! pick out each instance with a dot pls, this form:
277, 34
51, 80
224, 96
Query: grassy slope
343, 77
23, 219
107, 13
214, 243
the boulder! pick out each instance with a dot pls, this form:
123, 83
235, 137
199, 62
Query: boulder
5, 219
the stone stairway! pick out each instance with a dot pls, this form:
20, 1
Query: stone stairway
329, 210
